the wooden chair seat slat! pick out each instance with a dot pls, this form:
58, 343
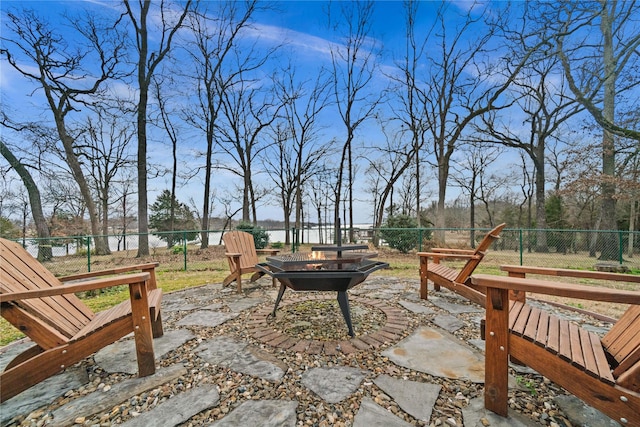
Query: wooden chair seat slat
542, 332
577, 357
521, 321
553, 335
589, 352
530, 329
445, 272
565, 342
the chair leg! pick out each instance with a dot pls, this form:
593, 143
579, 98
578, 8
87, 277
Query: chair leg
423, 278
142, 330
239, 282
156, 326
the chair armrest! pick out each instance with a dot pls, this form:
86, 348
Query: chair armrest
112, 271
232, 254
570, 290
89, 285
453, 251
447, 256
565, 272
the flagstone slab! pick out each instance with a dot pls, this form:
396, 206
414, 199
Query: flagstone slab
261, 413
43, 393
179, 305
333, 384
242, 304
207, 318
372, 415
581, 414
101, 401
455, 308
416, 307
178, 409
448, 322
415, 398
242, 357
438, 353
200, 294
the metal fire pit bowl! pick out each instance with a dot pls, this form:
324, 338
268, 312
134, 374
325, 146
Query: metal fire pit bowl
327, 278
335, 274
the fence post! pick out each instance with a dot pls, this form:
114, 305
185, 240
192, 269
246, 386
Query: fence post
88, 253
521, 246
184, 248
420, 239
620, 246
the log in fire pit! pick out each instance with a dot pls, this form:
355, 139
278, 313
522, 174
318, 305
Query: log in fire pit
327, 268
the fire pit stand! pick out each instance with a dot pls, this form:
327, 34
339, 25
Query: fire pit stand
327, 268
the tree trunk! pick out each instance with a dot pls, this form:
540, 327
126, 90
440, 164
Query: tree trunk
541, 216
609, 246
143, 220
443, 175
632, 227
204, 238
44, 245
101, 246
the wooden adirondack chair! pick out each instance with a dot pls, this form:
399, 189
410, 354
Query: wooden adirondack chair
455, 280
63, 329
603, 372
242, 255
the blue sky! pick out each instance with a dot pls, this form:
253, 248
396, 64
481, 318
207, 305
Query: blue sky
302, 23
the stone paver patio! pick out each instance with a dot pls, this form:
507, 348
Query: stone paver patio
417, 337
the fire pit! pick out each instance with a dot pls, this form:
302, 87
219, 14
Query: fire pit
326, 268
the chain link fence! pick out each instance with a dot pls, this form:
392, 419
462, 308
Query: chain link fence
581, 249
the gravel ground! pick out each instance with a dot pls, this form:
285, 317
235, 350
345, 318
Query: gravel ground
319, 320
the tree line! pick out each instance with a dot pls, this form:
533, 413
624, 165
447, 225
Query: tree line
505, 104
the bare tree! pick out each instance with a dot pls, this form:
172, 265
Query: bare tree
470, 172
411, 113
67, 80
387, 164
597, 43
542, 97
247, 112
123, 195
106, 148
460, 86
302, 101
320, 191
166, 123
354, 66
42, 228
216, 38
148, 61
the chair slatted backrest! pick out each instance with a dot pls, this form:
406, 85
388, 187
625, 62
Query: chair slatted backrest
48, 320
622, 342
479, 253
242, 243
